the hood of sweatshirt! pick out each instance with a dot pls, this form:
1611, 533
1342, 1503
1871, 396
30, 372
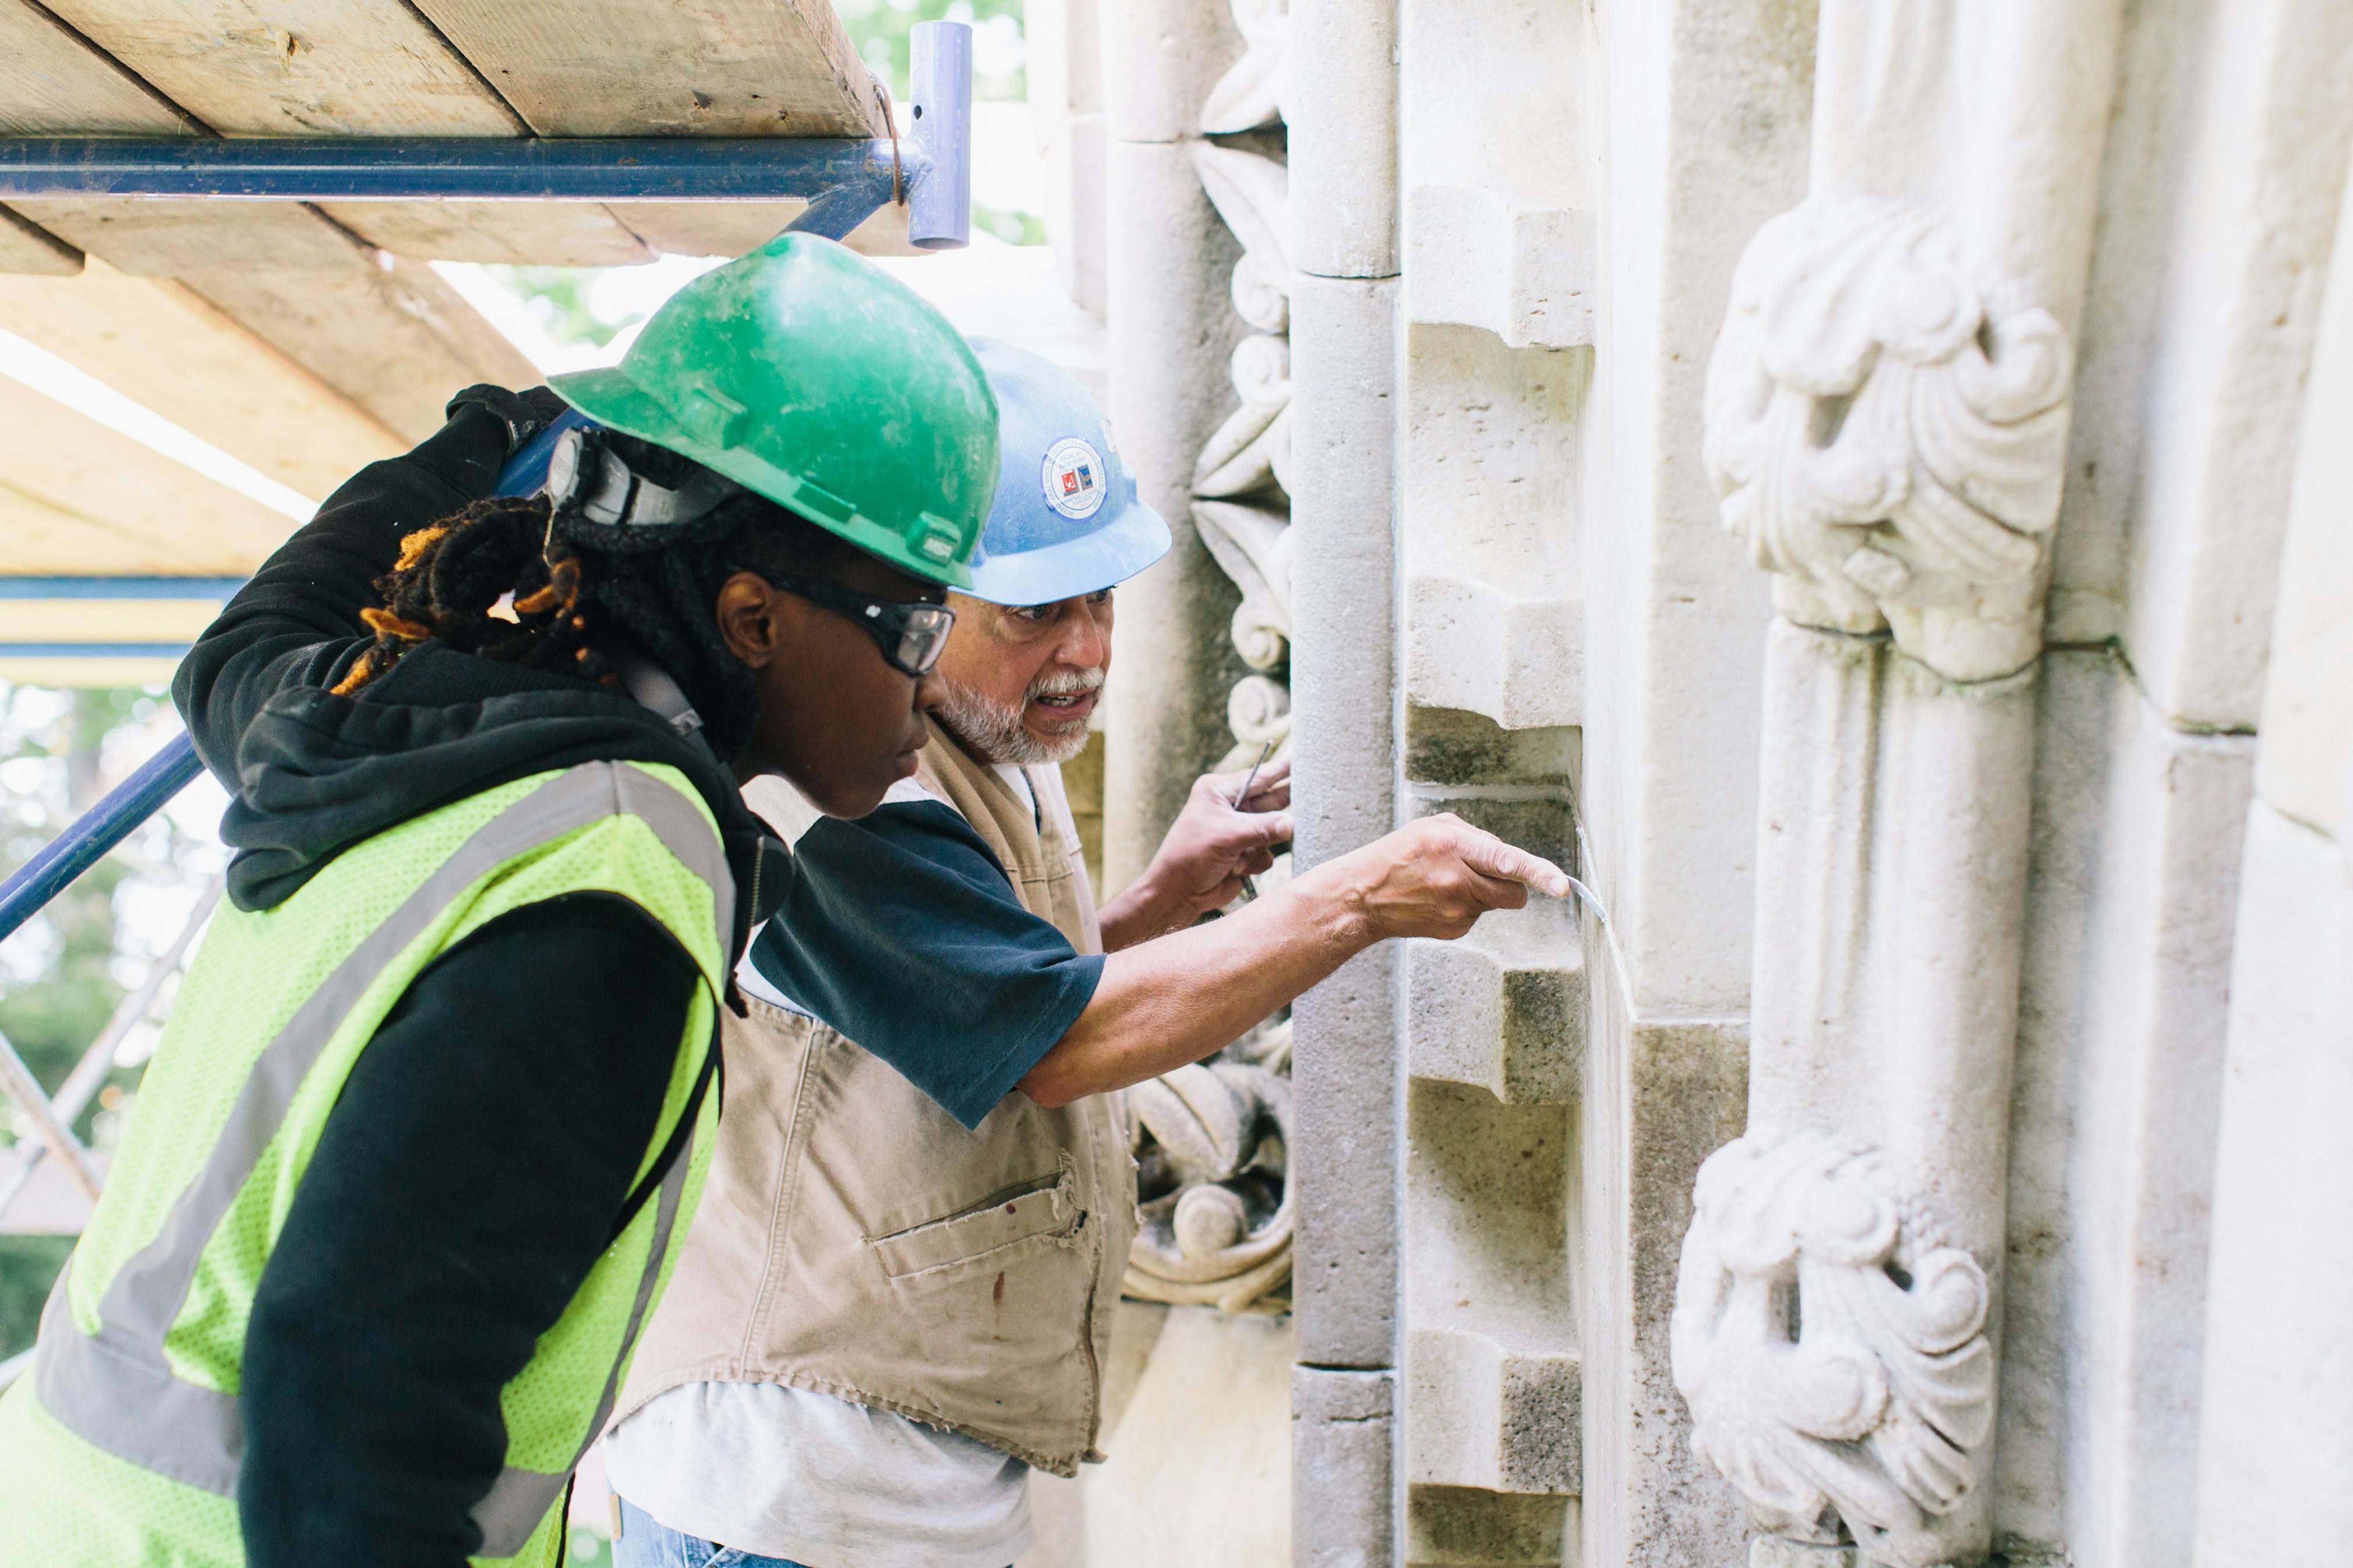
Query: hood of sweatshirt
316, 773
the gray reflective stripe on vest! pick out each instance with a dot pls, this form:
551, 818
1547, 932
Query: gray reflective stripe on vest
520, 1498
115, 1388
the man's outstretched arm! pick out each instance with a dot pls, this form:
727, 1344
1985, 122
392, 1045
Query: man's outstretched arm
1177, 998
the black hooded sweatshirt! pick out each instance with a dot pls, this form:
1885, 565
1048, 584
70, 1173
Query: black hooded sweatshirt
483, 1146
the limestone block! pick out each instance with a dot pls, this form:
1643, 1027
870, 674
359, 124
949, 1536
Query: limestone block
2263, 170
1492, 1373
1340, 98
1475, 258
1472, 643
1345, 1070
2123, 1001
1164, 56
2274, 1446
1480, 1414
1343, 1164
2305, 769
1488, 481
1343, 441
1449, 746
1502, 1008
1660, 1095
1171, 332
1343, 1431
1493, 92
1460, 1527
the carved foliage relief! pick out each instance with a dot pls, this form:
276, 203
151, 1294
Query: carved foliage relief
1212, 1141
1886, 424
1831, 1346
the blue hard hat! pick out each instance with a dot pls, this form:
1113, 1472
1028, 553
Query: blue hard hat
1065, 520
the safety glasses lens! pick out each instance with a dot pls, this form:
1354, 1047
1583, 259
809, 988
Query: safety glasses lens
924, 637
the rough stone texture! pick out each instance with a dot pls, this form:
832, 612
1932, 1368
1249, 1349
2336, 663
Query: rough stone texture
1161, 58
1343, 1440
1502, 1008
1172, 330
1460, 1527
1493, 609
1345, 1069
1344, 137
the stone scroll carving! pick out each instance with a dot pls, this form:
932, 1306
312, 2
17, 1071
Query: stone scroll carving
1886, 424
1212, 1144
1212, 1140
1831, 1346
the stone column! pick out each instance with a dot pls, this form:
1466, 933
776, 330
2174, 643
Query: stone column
1168, 260
1887, 412
1341, 102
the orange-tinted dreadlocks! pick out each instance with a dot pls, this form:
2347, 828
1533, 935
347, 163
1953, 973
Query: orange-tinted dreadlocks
581, 590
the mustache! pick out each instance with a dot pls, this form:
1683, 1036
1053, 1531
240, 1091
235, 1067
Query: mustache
1065, 683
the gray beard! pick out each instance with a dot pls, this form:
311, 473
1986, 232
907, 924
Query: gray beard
995, 729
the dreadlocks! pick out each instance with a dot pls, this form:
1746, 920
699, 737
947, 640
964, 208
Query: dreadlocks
584, 591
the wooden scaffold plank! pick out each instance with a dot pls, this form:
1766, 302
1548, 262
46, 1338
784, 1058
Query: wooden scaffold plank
78, 499
165, 347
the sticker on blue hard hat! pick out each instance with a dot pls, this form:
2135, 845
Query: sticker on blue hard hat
1074, 478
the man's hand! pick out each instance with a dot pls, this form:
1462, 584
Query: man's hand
1436, 878
1217, 840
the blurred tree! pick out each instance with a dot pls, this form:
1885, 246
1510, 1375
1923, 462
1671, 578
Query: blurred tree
881, 28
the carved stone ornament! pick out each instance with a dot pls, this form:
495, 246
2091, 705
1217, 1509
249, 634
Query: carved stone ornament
1887, 424
1251, 451
1253, 193
1252, 545
1212, 1148
1831, 1346
1249, 97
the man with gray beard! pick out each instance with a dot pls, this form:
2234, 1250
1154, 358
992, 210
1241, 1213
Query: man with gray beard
897, 1294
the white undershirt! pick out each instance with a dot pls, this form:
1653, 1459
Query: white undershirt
786, 1472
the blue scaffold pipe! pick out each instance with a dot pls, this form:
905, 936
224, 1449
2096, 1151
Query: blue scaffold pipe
100, 830
939, 207
172, 768
440, 168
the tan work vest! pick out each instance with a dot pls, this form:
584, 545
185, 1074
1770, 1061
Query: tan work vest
856, 1240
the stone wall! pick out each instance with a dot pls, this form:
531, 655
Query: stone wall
1861, 481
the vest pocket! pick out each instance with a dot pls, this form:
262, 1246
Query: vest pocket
1044, 1205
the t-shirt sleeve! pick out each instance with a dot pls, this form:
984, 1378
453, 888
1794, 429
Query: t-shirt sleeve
902, 931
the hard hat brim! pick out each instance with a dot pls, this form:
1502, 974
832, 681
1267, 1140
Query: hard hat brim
1110, 555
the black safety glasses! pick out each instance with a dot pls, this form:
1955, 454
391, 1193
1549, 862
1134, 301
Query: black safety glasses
911, 635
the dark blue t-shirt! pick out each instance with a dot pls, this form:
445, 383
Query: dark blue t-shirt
903, 931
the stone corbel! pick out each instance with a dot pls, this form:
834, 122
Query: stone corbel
1886, 420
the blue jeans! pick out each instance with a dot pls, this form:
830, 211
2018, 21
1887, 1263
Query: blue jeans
647, 1543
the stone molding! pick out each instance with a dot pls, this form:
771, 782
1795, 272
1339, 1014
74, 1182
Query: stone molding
1832, 1346
1886, 424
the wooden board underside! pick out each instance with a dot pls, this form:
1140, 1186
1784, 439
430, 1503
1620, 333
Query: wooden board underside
77, 498
397, 341
636, 68
161, 344
26, 247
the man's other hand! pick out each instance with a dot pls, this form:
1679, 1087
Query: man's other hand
1217, 840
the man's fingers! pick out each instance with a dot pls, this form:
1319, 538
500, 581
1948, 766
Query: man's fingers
1248, 830
1492, 856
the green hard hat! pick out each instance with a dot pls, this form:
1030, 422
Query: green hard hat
806, 374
